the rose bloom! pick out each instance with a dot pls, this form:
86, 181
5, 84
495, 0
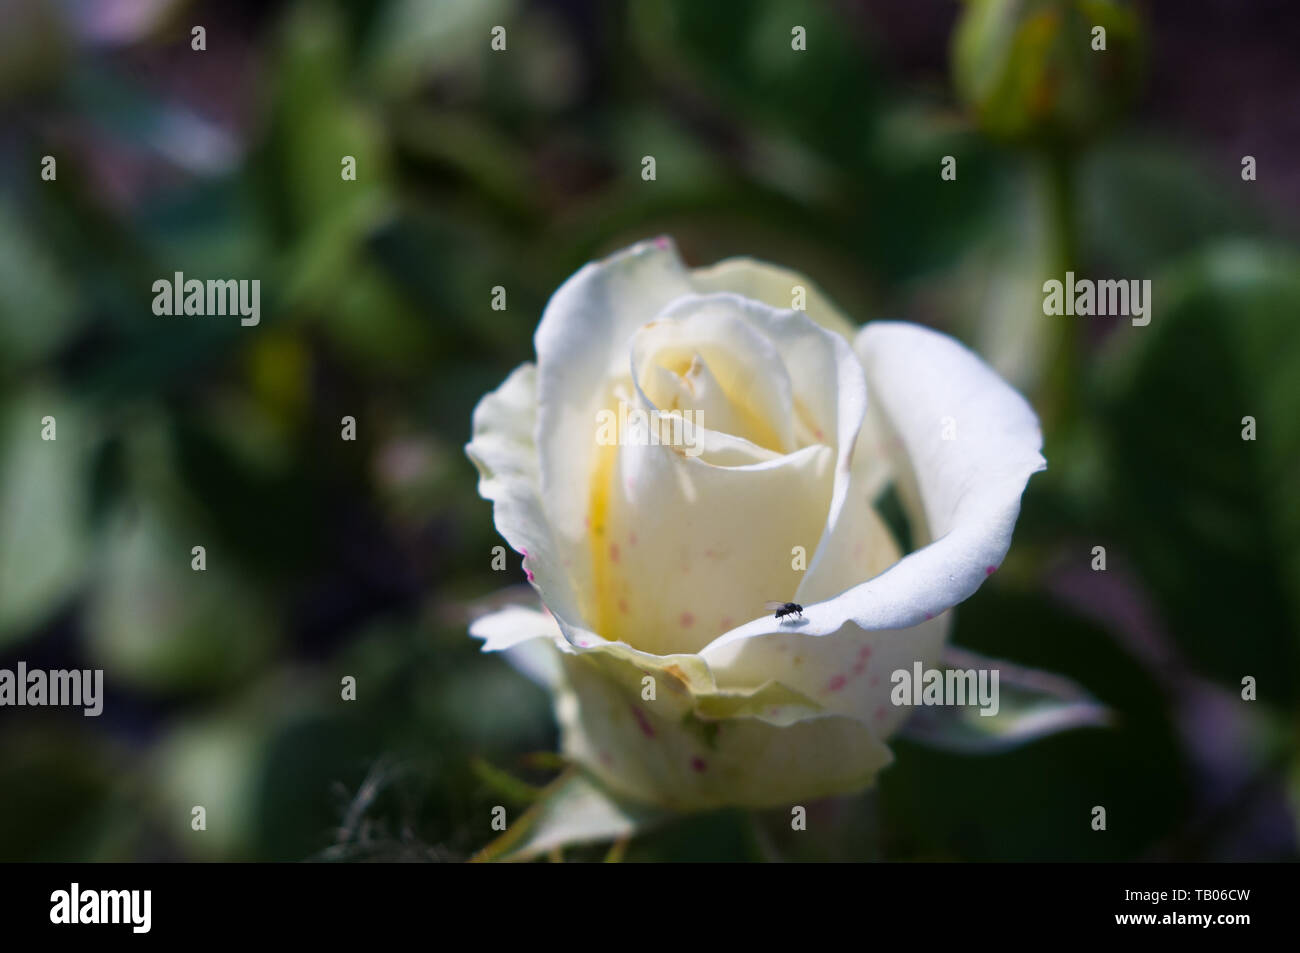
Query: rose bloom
653, 562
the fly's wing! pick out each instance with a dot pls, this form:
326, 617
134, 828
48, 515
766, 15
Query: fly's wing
774, 606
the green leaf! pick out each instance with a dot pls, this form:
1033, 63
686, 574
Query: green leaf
1209, 520
44, 541
414, 39
1030, 705
504, 783
37, 303
573, 809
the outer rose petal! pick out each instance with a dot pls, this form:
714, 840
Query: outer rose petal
658, 751
513, 625
528, 638
582, 347
847, 672
970, 486
502, 448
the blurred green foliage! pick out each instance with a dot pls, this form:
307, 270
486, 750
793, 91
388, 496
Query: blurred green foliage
328, 558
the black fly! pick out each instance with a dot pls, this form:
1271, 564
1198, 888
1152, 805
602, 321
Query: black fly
783, 609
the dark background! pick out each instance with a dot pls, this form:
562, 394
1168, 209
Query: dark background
329, 558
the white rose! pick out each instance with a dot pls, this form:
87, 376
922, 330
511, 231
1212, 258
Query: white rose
655, 561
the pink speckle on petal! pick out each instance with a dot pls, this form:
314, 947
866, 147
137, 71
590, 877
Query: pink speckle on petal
613, 552
698, 765
727, 623
523, 552
990, 570
643, 723
528, 574
631, 539
661, 242
836, 683
622, 606
929, 616
687, 620
583, 643
818, 434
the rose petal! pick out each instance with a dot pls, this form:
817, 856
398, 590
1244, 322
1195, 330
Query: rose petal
847, 673
502, 448
528, 638
582, 346
774, 286
1031, 704
661, 752
860, 547
970, 486
828, 387
508, 627
672, 585
692, 547
745, 387
816, 366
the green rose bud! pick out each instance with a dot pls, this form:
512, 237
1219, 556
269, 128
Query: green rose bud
1046, 72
